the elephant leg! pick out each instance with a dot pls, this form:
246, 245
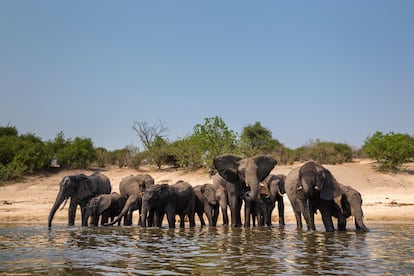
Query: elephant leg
247, 213
281, 210
171, 218
327, 220
128, 217
104, 219
182, 219
201, 218
72, 212
298, 216
208, 210
191, 219
341, 223
215, 213
223, 207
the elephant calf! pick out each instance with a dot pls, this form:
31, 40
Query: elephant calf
176, 199
105, 206
209, 198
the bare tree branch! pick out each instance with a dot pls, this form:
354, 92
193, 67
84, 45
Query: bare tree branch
147, 133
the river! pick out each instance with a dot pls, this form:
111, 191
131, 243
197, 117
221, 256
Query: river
386, 249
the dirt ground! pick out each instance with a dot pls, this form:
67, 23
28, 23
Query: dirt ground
386, 197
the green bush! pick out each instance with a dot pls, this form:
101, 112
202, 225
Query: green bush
325, 152
391, 150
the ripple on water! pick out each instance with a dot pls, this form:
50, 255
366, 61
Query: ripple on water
386, 249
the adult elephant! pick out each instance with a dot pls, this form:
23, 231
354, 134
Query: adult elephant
176, 199
80, 188
132, 188
209, 199
312, 187
105, 206
275, 184
239, 174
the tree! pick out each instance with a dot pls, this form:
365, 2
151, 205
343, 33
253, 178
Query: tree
214, 138
159, 151
148, 133
391, 150
256, 139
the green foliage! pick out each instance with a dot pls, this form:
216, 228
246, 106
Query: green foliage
256, 139
391, 150
187, 152
213, 138
26, 154
325, 152
159, 151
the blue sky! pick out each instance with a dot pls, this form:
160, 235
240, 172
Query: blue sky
330, 70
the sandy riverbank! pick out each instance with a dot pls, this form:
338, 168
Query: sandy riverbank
386, 197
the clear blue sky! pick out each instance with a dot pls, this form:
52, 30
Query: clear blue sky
330, 70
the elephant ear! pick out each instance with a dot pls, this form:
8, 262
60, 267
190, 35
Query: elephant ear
104, 203
226, 166
86, 188
265, 164
208, 194
281, 184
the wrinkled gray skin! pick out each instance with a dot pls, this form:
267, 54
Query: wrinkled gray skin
242, 173
348, 203
132, 188
312, 187
80, 189
209, 199
275, 184
105, 206
172, 200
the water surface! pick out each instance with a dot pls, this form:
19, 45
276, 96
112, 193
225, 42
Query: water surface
386, 249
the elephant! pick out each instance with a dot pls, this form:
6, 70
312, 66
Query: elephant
260, 209
209, 198
275, 184
132, 188
80, 188
348, 203
239, 174
312, 187
176, 199
220, 184
104, 206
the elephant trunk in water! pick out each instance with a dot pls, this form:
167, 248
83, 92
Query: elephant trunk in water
58, 202
131, 200
359, 223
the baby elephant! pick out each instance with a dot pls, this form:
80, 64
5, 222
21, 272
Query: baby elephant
105, 205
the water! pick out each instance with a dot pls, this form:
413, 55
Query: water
386, 249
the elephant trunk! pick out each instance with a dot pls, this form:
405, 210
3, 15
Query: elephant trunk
144, 214
58, 202
254, 189
131, 199
359, 222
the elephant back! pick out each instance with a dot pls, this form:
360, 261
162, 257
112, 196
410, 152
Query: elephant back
135, 184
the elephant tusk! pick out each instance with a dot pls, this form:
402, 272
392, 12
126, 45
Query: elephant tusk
299, 188
316, 188
279, 193
64, 203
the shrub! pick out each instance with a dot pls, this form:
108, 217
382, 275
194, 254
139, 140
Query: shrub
391, 150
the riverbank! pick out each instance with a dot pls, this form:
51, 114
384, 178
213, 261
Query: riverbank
386, 197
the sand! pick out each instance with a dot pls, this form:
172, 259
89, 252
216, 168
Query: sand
386, 197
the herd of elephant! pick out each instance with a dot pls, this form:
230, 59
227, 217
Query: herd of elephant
310, 187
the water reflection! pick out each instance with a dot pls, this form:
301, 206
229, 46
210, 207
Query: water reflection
132, 250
